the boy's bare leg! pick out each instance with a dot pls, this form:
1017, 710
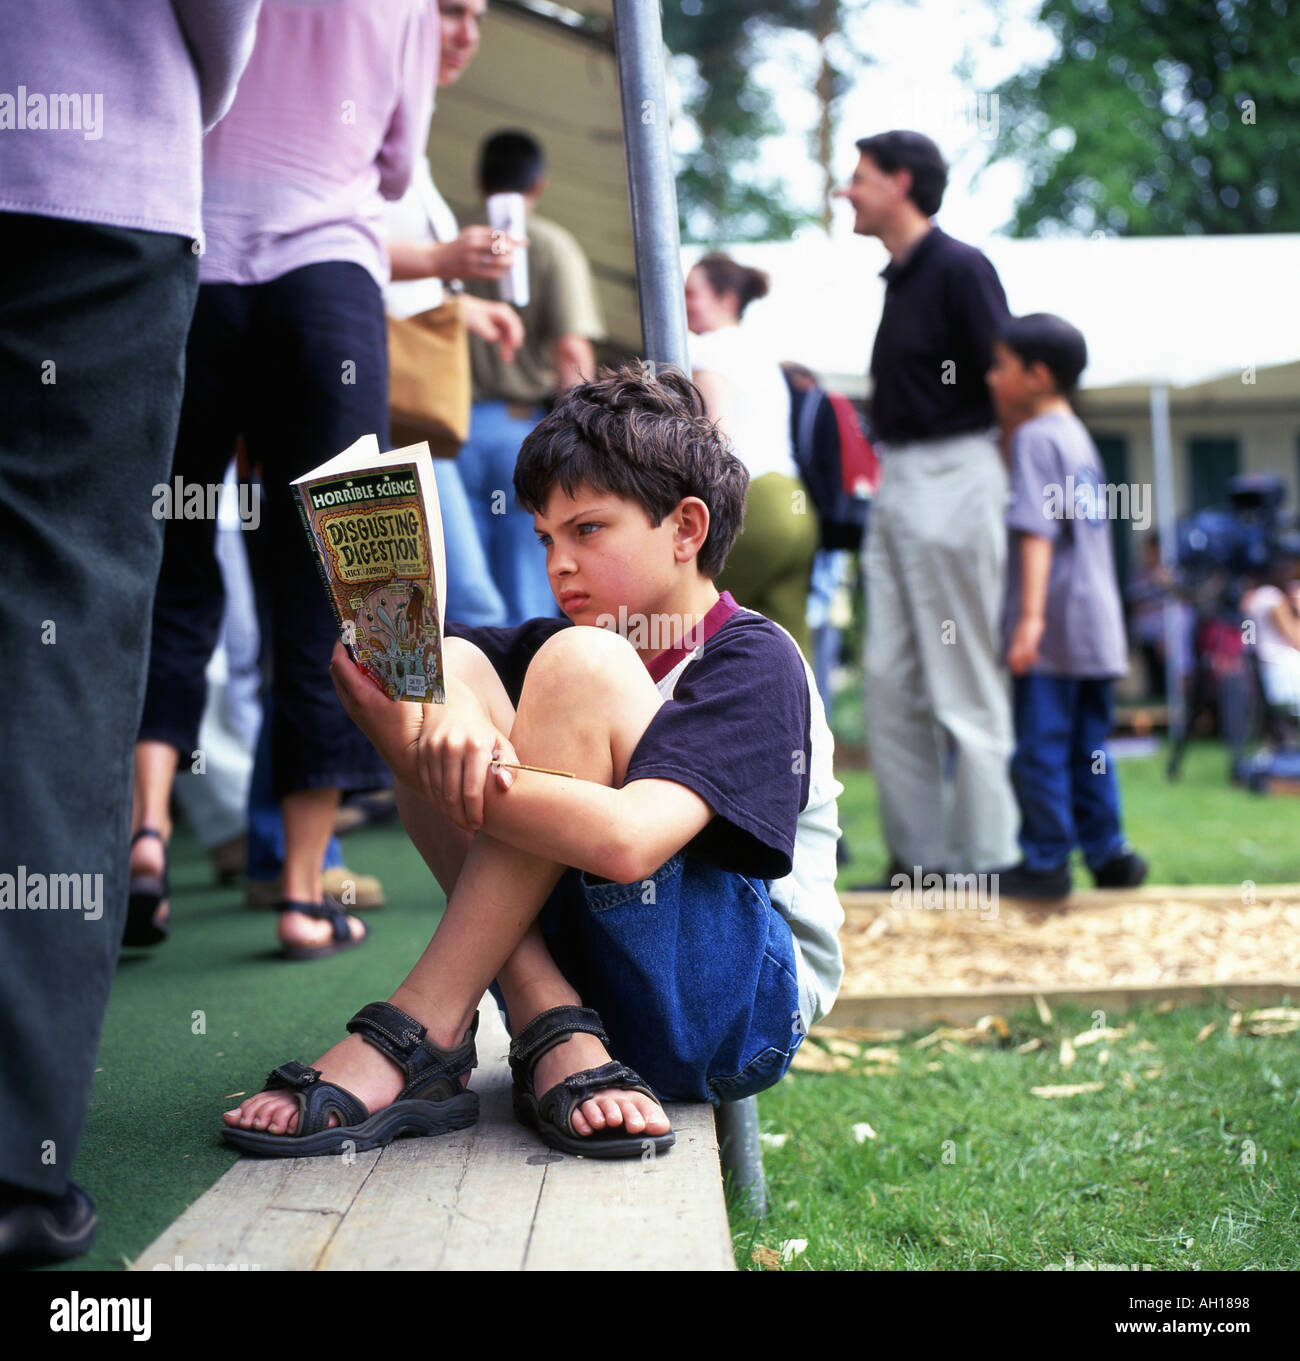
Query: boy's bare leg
586, 702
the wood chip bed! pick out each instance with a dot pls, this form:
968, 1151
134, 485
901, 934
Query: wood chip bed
1160, 936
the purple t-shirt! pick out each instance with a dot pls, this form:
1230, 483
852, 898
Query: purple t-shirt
1058, 491
332, 111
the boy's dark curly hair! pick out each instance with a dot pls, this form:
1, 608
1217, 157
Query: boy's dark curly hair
640, 433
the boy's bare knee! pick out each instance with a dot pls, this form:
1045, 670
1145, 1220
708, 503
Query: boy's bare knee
585, 661
465, 660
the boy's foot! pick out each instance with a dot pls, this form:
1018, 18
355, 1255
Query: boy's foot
1127, 869
375, 1081
613, 1108
1019, 881
352, 1064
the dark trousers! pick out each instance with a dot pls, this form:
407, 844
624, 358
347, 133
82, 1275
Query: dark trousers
299, 366
1062, 770
92, 340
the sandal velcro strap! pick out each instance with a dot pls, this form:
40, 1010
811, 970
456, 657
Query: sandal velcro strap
292, 1075
545, 1031
328, 911
405, 1041
559, 1103
320, 1099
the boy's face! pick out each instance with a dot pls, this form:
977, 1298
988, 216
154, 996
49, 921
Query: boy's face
603, 552
1012, 386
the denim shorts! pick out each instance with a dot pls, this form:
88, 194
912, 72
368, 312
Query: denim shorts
692, 971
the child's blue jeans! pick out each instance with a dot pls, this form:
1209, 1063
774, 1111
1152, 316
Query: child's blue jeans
1062, 772
691, 970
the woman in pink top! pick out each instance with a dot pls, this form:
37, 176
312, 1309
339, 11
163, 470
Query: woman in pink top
288, 349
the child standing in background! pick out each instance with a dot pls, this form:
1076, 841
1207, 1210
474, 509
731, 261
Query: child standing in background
1064, 625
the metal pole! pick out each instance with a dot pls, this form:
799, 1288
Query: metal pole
742, 1152
639, 44
1166, 525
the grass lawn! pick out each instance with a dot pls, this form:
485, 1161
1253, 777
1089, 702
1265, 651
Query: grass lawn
1198, 830
1185, 1158
1190, 1162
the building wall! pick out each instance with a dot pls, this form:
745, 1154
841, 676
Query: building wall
1268, 441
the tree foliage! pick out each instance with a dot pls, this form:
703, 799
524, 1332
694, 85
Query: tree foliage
1159, 117
723, 191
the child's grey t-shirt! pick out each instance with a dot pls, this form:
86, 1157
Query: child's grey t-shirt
1058, 491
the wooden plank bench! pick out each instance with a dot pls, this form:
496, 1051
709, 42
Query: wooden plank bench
492, 1197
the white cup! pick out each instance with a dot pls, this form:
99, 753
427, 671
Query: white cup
506, 213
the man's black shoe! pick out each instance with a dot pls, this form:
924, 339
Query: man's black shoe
1021, 882
1125, 870
36, 1228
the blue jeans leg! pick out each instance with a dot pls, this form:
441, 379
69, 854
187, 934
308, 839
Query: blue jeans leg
1095, 789
1040, 768
472, 598
487, 467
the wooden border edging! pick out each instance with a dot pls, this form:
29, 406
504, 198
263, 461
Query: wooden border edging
857, 900
914, 1010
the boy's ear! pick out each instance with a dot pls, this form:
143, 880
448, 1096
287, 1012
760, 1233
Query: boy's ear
1040, 373
691, 520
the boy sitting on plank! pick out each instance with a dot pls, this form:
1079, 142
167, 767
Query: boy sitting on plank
674, 904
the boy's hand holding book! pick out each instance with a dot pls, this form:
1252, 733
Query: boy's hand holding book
444, 751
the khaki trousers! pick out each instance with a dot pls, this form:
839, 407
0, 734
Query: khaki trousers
938, 717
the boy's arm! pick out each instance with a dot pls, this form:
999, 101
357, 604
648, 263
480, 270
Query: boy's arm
1035, 569
620, 834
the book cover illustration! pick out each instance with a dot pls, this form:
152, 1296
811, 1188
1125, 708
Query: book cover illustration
375, 525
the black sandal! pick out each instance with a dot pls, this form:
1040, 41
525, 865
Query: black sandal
432, 1102
147, 893
551, 1116
329, 911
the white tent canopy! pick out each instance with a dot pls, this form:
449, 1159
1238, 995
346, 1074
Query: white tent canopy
1155, 310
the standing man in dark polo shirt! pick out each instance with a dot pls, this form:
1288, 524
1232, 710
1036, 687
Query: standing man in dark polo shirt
937, 708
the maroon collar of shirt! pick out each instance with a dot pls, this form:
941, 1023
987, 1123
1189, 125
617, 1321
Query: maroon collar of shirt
660, 666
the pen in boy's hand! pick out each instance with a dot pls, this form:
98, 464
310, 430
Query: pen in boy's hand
540, 770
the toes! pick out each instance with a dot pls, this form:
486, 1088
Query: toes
271, 1114
656, 1122
613, 1111
581, 1125
595, 1116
